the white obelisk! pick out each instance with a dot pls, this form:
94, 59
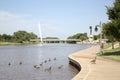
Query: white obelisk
40, 33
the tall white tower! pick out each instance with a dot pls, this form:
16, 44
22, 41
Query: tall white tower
40, 32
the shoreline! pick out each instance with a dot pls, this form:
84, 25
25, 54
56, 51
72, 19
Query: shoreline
15, 43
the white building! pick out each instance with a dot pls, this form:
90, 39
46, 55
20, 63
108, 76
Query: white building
90, 38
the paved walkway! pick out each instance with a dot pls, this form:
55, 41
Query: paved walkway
104, 69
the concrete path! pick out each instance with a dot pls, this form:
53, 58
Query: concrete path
104, 69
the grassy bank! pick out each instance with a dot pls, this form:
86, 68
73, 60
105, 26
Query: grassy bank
15, 43
113, 54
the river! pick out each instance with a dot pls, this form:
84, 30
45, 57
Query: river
30, 55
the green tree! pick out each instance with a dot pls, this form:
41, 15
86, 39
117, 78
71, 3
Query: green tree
112, 28
51, 38
21, 36
82, 36
31, 36
107, 30
114, 12
6, 37
95, 37
0, 37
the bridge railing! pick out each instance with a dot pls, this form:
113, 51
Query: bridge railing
56, 40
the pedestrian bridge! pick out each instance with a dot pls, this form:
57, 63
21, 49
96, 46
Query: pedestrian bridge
56, 40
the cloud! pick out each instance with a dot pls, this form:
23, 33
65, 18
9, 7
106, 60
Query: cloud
10, 23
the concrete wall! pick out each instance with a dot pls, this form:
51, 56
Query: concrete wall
75, 64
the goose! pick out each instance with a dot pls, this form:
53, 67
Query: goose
54, 58
36, 66
48, 69
41, 64
49, 60
93, 60
45, 61
60, 67
9, 63
20, 63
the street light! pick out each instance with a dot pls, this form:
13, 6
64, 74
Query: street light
101, 44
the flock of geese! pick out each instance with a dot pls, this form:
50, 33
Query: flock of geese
41, 65
49, 68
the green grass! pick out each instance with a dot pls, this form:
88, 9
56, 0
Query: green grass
8, 43
111, 54
116, 58
109, 45
15, 43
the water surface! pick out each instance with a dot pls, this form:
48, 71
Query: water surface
31, 55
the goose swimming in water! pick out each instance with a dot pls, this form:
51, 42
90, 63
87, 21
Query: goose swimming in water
49, 60
48, 69
54, 58
45, 61
41, 64
20, 63
9, 63
36, 66
60, 67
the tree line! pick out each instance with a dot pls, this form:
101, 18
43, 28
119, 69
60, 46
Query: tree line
19, 36
82, 36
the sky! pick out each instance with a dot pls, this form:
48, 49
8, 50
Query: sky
57, 18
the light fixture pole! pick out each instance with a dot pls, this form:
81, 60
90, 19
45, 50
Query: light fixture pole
101, 44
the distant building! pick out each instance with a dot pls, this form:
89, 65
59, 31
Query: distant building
90, 38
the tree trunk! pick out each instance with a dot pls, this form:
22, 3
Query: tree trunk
119, 44
112, 43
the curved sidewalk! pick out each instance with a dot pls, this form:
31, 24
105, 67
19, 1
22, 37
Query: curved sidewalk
104, 69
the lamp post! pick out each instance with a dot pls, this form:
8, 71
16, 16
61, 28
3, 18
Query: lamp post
101, 44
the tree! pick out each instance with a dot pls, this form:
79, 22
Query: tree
31, 36
6, 37
21, 36
51, 38
108, 31
0, 37
82, 36
112, 28
114, 12
95, 37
